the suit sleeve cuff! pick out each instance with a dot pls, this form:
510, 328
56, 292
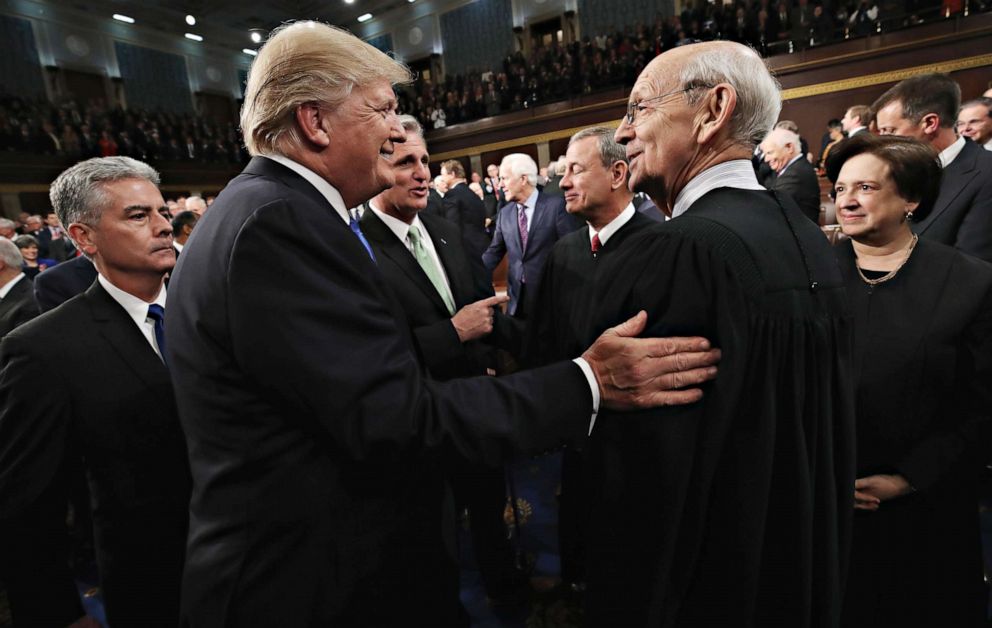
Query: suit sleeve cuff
593, 388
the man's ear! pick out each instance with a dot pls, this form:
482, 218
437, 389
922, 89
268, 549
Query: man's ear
930, 123
82, 235
618, 175
718, 106
310, 117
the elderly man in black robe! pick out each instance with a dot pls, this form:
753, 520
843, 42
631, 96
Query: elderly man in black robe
735, 510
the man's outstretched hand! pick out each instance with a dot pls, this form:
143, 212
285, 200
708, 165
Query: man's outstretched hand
638, 373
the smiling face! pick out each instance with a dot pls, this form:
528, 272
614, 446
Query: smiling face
869, 205
364, 132
974, 122
588, 184
661, 141
131, 237
411, 172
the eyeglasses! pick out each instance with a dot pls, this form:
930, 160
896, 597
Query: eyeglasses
635, 108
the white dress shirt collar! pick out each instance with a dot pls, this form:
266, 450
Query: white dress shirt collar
179, 246
856, 130
950, 153
614, 225
7, 287
736, 173
136, 309
402, 231
326, 190
988, 145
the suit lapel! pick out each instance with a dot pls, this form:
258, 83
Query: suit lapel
119, 331
453, 267
384, 240
514, 217
537, 226
956, 178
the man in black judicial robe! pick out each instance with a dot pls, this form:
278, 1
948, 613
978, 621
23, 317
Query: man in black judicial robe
595, 189
734, 511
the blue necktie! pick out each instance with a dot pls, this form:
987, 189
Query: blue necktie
157, 313
361, 236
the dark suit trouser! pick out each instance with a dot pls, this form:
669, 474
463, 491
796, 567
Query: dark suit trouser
482, 490
573, 511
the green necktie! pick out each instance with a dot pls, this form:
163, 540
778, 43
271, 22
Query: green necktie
433, 272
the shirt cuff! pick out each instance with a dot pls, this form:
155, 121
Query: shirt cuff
593, 388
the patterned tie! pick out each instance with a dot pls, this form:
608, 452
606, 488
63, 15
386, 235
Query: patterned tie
522, 224
157, 313
596, 244
433, 272
361, 236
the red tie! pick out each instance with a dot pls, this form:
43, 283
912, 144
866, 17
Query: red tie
596, 244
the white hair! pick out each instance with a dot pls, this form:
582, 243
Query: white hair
780, 137
759, 97
10, 254
518, 164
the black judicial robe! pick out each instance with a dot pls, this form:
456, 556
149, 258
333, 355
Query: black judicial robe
923, 355
560, 325
736, 510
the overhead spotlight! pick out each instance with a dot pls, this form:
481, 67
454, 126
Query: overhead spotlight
349, 1
256, 36
123, 18
194, 37
365, 17
191, 20
249, 51
411, 1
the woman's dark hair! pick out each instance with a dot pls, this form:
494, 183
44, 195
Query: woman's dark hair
913, 165
25, 241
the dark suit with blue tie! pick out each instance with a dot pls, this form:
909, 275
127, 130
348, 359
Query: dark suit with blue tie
549, 223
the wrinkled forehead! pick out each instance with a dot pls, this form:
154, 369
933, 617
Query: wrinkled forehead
659, 76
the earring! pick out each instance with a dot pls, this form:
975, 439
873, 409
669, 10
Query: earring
909, 215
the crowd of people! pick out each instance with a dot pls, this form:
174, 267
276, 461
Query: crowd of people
80, 130
271, 406
555, 72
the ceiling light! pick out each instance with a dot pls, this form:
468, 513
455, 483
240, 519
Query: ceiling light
249, 51
256, 36
191, 20
194, 37
365, 17
123, 18
349, 1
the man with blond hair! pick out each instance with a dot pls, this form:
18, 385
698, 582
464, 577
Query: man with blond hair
312, 428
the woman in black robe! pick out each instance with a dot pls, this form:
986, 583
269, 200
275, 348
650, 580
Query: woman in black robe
923, 360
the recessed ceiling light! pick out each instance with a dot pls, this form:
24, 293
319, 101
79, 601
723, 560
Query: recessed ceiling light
256, 36
123, 18
249, 51
365, 17
349, 1
194, 37
191, 20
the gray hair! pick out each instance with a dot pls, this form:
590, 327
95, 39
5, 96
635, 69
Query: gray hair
519, 163
782, 136
759, 97
77, 194
6, 223
609, 151
10, 254
411, 125
305, 62
197, 200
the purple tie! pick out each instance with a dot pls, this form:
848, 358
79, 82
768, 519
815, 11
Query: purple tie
522, 223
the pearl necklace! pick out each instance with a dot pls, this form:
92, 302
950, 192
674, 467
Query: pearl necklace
891, 273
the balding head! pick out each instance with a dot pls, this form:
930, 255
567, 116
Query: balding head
692, 108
